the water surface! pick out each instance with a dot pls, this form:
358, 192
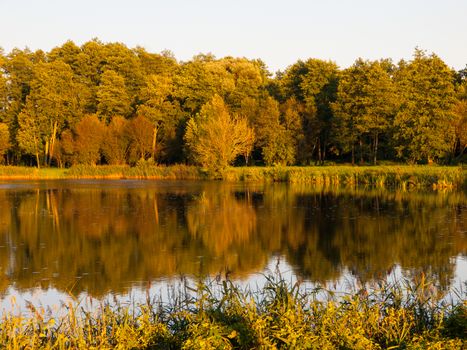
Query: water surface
97, 238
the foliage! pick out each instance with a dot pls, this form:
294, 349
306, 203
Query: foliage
423, 123
278, 316
4, 140
216, 138
365, 104
311, 112
89, 137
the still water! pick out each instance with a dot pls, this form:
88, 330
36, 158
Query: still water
101, 238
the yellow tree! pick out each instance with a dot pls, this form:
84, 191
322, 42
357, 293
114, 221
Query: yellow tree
215, 138
4, 140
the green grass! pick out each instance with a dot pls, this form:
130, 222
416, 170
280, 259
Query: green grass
404, 176
19, 172
406, 315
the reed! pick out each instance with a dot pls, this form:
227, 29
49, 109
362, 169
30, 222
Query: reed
220, 315
401, 176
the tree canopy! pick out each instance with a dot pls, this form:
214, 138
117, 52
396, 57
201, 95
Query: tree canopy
149, 105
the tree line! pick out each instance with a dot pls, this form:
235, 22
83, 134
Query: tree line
105, 103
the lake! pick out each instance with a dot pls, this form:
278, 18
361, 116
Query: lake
122, 238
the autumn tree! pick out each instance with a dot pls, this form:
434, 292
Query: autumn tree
65, 152
116, 142
215, 138
423, 128
4, 140
90, 132
140, 134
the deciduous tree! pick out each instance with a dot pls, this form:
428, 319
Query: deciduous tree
423, 128
112, 96
366, 102
215, 138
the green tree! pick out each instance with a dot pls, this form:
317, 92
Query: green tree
264, 115
112, 96
313, 84
159, 108
18, 68
366, 102
280, 148
215, 138
460, 116
50, 106
291, 118
423, 128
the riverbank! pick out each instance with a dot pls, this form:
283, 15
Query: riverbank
221, 316
394, 175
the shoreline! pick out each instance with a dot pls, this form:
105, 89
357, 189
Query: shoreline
402, 176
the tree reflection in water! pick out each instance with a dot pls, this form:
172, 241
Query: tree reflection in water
98, 237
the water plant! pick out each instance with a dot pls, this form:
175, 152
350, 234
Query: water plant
221, 315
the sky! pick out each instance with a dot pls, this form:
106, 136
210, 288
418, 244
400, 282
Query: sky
278, 32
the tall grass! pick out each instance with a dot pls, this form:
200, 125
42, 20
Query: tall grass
403, 176
280, 315
18, 172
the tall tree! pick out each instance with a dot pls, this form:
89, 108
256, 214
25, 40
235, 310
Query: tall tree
51, 105
159, 107
313, 84
460, 116
215, 138
4, 140
112, 96
365, 105
423, 128
18, 68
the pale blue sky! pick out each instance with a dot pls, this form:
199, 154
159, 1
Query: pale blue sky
278, 32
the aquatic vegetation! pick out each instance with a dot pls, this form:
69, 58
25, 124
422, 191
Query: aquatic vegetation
402, 176
220, 315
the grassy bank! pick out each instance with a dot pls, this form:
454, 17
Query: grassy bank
401, 316
395, 175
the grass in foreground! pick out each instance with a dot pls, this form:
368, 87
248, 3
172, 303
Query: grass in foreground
401, 316
403, 176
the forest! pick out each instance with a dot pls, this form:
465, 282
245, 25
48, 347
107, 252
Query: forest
105, 103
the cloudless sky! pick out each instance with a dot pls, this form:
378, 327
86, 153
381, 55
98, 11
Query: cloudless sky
278, 32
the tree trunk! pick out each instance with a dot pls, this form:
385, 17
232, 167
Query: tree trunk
324, 153
353, 154
154, 142
52, 143
46, 153
361, 151
376, 149
319, 150
37, 153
